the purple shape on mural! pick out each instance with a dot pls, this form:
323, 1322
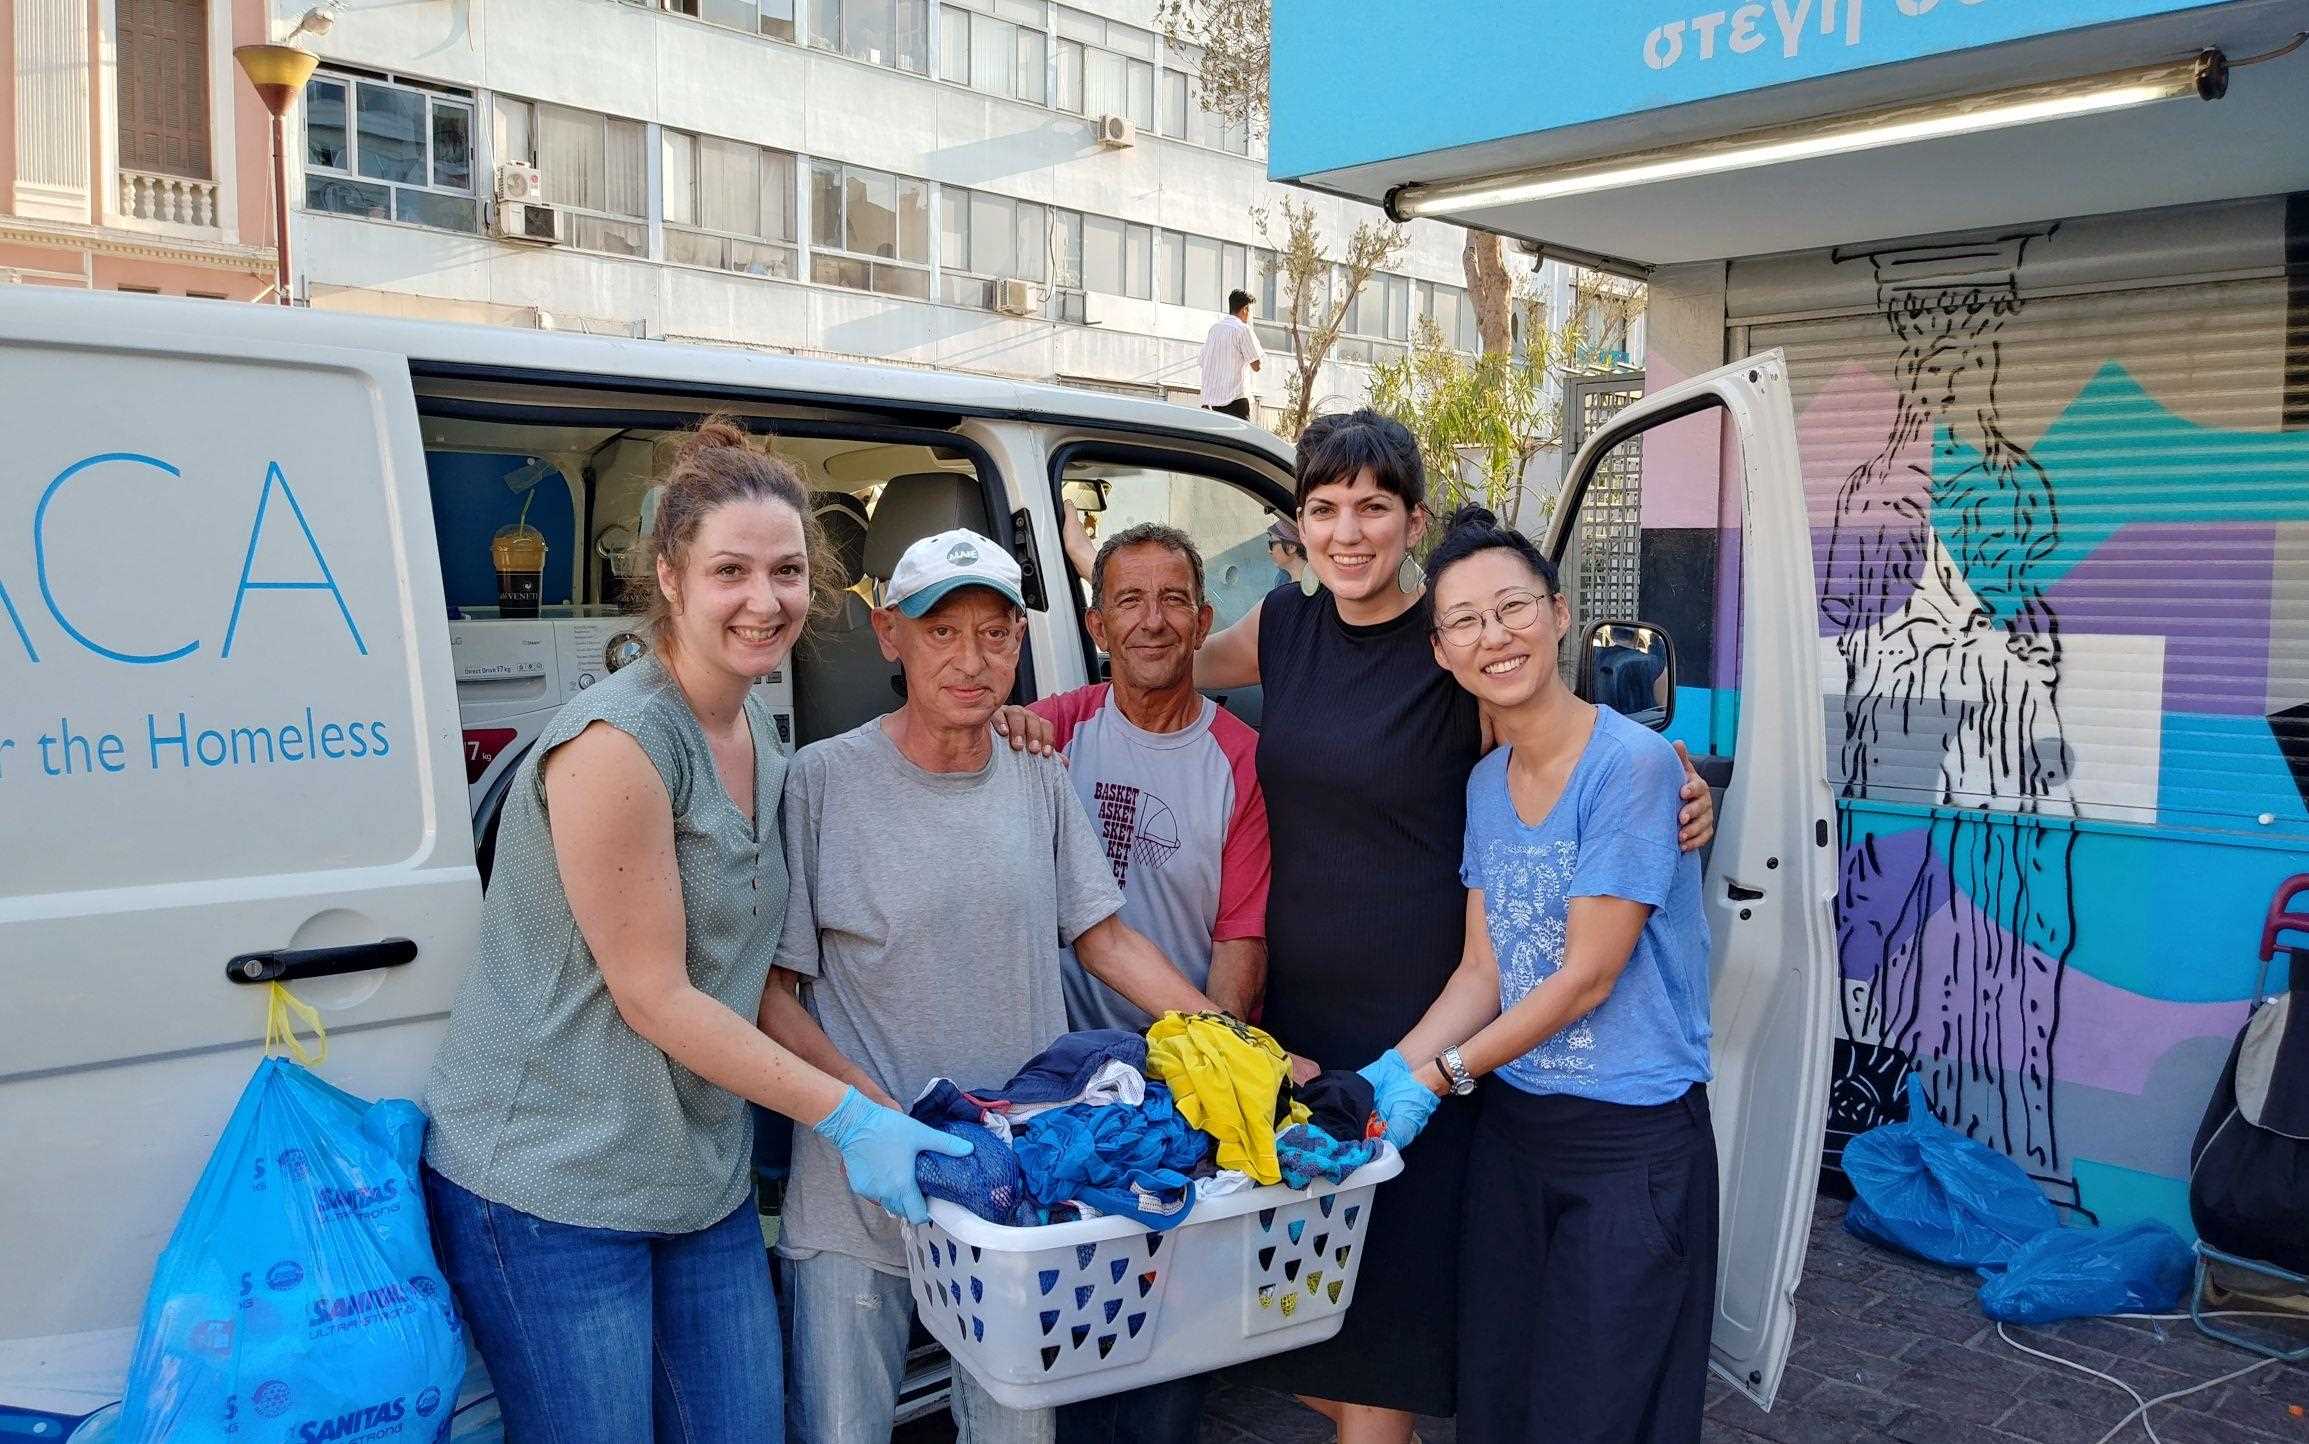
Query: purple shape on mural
2204, 588
1880, 922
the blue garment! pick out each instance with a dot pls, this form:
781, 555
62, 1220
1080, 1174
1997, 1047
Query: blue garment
1611, 834
1307, 1153
1118, 1159
987, 1182
1060, 1072
599, 1333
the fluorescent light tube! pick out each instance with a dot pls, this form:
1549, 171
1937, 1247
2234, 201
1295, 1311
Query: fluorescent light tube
2205, 76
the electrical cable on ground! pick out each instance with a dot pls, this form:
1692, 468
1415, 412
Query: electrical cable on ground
2141, 1406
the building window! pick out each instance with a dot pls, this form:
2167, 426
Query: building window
1117, 257
162, 79
1378, 321
1451, 312
774, 18
1105, 68
895, 33
869, 230
1183, 114
983, 239
593, 168
389, 151
1002, 49
728, 205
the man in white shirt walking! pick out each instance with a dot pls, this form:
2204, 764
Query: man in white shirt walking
1230, 353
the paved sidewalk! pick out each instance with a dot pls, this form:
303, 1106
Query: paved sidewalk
1888, 1349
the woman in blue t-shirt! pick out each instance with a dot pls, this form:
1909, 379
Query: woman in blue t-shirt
1588, 1237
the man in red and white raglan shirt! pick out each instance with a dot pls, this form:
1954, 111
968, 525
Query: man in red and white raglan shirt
1172, 788
1169, 780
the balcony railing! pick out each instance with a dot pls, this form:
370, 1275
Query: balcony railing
177, 200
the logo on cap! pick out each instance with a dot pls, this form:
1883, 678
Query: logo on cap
962, 554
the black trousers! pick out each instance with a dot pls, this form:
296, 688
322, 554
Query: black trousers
1239, 408
1587, 1282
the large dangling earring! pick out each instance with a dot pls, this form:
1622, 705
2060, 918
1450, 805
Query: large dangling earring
1309, 583
1408, 577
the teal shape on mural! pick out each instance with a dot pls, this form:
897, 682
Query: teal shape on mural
2118, 1195
2116, 456
2158, 912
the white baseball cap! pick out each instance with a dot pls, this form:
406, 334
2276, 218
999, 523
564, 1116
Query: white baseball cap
937, 565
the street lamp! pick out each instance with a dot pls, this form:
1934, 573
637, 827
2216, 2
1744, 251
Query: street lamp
279, 73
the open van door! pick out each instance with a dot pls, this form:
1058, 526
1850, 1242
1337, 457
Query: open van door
1771, 878
228, 752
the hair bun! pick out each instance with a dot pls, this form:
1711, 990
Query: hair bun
712, 433
1471, 517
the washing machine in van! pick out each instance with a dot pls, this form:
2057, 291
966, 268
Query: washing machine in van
509, 685
513, 674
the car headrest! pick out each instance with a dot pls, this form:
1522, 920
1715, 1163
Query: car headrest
919, 505
842, 517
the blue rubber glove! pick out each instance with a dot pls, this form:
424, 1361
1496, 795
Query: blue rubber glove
1403, 1101
878, 1149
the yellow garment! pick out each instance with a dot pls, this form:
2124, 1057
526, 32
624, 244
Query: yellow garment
1226, 1077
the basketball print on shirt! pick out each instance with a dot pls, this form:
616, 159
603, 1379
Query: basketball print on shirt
1136, 826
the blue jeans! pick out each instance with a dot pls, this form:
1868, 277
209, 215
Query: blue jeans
1167, 1413
600, 1334
850, 1323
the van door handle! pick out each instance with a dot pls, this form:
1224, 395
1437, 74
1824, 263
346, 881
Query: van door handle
1738, 892
283, 964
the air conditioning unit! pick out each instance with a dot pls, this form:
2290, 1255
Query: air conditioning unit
520, 221
1117, 132
1017, 298
518, 182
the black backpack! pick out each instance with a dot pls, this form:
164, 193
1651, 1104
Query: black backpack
2249, 1168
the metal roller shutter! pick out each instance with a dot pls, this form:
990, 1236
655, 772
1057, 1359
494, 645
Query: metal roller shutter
2097, 478
2063, 546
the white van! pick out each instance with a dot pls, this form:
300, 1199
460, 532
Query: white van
256, 689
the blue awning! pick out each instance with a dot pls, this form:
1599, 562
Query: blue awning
1383, 94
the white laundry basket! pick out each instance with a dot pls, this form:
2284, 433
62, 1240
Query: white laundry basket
1044, 1316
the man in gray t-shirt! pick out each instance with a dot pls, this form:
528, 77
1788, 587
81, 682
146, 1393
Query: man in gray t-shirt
933, 876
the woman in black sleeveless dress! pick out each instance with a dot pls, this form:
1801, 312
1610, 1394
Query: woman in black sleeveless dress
1363, 757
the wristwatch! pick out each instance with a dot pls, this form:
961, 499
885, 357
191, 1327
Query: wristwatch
1455, 1073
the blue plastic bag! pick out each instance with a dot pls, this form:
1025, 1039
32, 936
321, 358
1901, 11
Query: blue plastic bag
298, 1300
1925, 1189
2077, 1273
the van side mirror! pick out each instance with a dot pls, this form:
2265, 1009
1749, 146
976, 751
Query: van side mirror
1630, 667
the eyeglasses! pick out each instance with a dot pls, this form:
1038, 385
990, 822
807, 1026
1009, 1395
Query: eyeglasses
1465, 629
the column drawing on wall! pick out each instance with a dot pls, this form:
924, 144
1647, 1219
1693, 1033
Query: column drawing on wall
1954, 937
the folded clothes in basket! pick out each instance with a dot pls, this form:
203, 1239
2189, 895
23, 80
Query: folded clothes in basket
1341, 1103
1083, 1074
1232, 1081
1095, 1066
987, 1181
1130, 1161
1307, 1153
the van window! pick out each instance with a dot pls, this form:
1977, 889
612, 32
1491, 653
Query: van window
1218, 509
1225, 520
581, 480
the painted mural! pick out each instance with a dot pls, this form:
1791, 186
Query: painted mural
1951, 656
2068, 720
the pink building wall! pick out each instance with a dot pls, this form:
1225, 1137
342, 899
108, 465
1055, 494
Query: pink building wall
98, 250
